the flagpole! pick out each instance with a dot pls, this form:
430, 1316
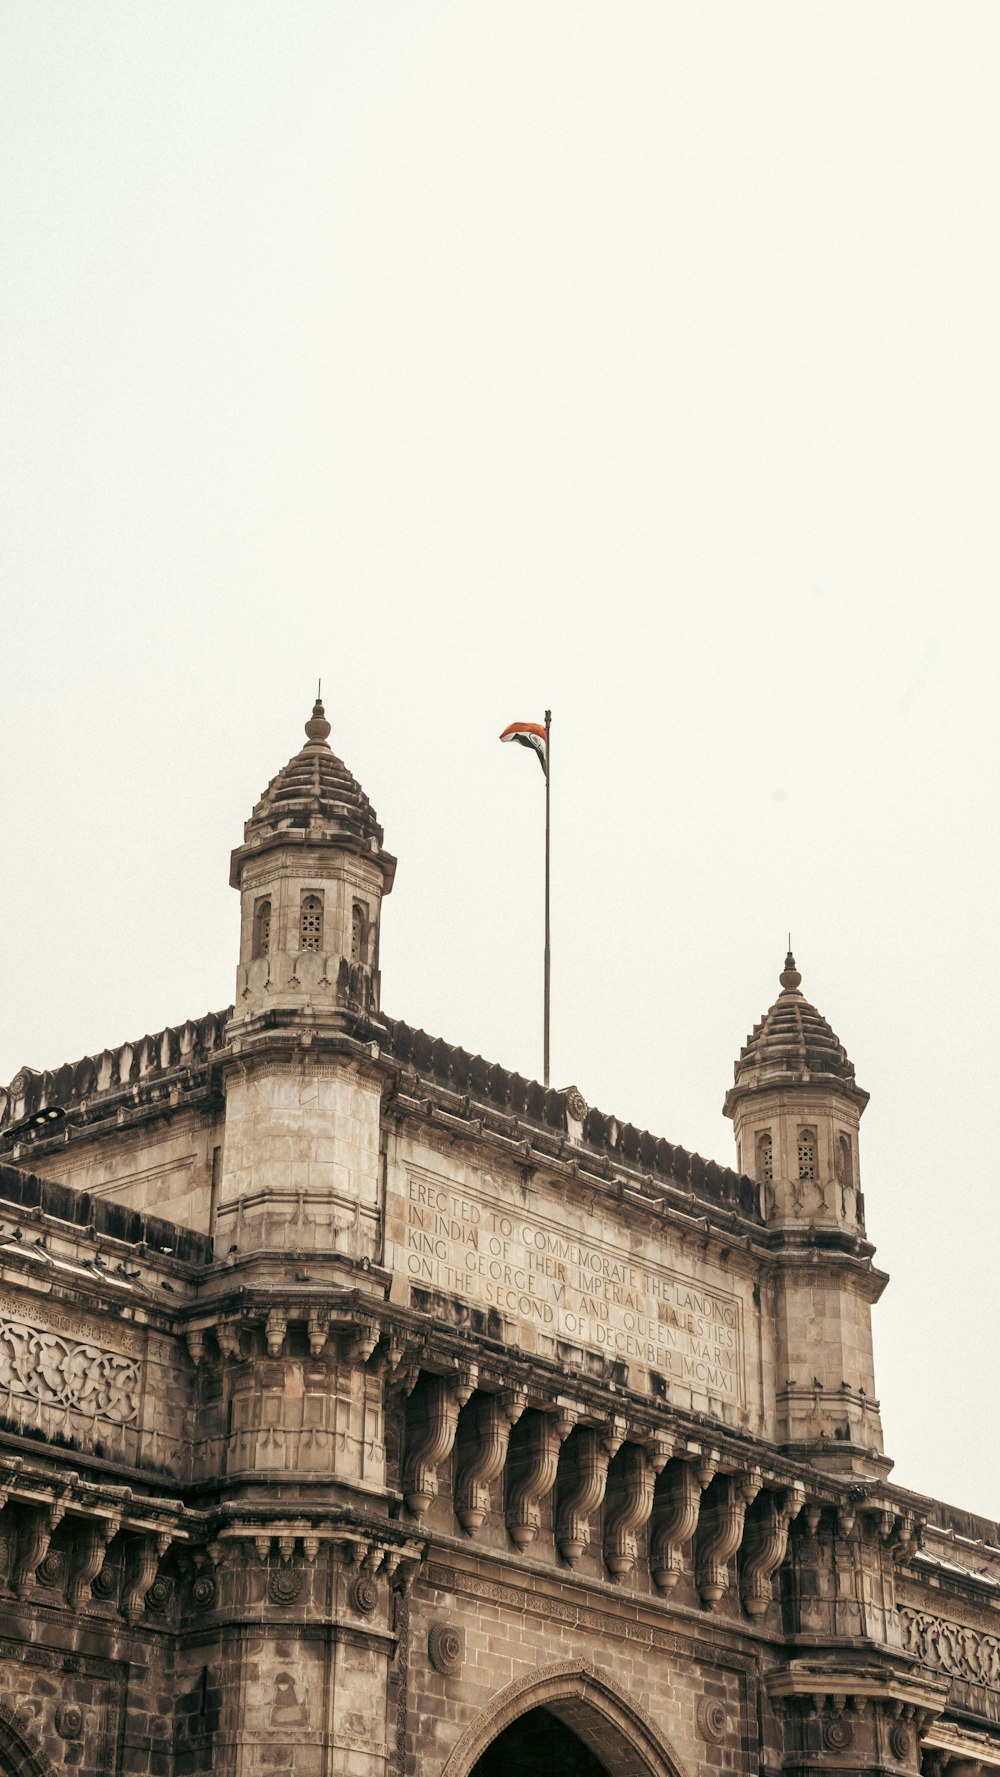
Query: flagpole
548, 954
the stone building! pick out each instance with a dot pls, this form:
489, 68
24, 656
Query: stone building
369, 1409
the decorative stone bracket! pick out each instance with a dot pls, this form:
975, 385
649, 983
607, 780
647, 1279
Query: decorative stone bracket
765, 1545
677, 1505
432, 1423
97, 1537
630, 1497
145, 1559
486, 1452
720, 1532
587, 1456
532, 1472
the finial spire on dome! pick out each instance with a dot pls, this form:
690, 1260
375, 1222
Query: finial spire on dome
318, 728
790, 978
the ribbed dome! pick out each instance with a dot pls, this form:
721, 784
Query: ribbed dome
314, 800
793, 1044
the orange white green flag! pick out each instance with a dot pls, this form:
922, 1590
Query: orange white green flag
533, 735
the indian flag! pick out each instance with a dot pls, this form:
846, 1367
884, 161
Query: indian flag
530, 734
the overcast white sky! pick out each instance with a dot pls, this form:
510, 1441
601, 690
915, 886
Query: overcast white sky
638, 359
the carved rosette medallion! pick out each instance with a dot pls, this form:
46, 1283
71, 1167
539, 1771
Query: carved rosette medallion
838, 1734
283, 1585
203, 1592
106, 1583
713, 1720
69, 1721
158, 1596
901, 1743
51, 1568
364, 1595
446, 1648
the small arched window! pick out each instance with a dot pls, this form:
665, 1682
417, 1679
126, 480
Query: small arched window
765, 1162
807, 1154
311, 923
262, 929
359, 934
845, 1160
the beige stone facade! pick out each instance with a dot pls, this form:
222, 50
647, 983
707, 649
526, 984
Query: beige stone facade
368, 1409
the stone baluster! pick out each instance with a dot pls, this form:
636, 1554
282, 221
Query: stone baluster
765, 1545
587, 1456
630, 1502
676, 1505
97, 1536
493, 1415
720, 1532
432, 1422
532, 1471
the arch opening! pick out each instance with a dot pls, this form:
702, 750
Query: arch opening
538, 1744
563, 1721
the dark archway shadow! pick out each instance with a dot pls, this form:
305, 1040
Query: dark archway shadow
538, 1744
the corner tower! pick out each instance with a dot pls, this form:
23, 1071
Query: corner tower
796, 1108
300, 1159
311, 873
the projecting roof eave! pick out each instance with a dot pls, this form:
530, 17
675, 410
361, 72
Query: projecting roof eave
302, 837
781, 1079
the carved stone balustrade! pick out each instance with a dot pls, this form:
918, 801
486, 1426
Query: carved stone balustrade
676, 1506
484, 1435
720, 1532
585, 1467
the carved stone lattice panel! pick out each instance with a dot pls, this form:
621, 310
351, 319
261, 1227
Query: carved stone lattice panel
966, 1654
67, 1375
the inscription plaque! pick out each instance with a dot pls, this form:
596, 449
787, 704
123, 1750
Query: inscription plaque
580, 1290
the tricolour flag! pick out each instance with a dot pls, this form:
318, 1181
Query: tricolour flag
530, 734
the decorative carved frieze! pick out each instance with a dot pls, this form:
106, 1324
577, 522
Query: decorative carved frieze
676, 1505
720, 1532
432, 1422
586, 1459
67, 1375
485, 1453
765, 1545
531, 1473
630, 1502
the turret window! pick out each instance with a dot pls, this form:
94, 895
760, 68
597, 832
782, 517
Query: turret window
845, 1160
807, 1154
359, 934
262, 929
765, 1161
311, 923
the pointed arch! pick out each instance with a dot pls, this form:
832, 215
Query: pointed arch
587, 1702
20, 1753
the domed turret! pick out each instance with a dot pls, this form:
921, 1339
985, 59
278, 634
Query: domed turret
311, 871
796, 1104
796, 1108
792, 1045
